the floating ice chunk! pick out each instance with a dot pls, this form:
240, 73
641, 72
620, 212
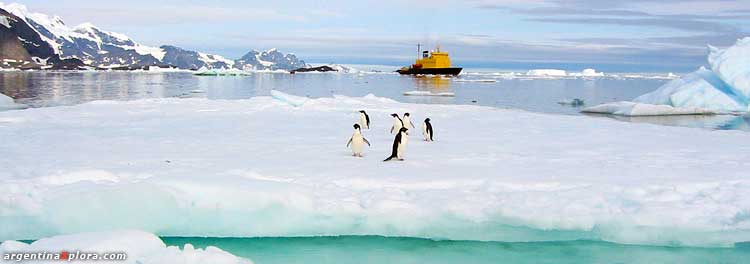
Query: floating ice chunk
546, 72
428, 93
696, 91
733, 65
7, 103
288, 98
138, 247
625, 108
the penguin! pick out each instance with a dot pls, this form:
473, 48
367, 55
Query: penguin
357, 141
399, 145
364, 119
407, 121
397, 123
427, 130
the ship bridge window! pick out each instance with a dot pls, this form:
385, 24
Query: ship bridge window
425, 54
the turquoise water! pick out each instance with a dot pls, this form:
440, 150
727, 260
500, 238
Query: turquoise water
378, 249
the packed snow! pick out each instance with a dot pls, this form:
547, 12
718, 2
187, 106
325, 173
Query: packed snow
139, 247
264, 167
7, 103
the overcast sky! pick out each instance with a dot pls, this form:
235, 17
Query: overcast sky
665, 34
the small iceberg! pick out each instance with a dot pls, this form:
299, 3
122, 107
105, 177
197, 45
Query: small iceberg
428, 93
625, 108
7, 103
292, 100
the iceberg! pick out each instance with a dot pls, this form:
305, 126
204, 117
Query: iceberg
724, 88
136, 247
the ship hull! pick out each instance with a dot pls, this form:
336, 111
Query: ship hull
435, 71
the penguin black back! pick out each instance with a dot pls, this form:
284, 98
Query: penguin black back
428, 127
367, 117
396, 144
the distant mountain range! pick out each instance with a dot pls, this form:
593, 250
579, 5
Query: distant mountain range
37, 41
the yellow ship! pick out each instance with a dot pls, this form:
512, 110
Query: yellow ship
435, 62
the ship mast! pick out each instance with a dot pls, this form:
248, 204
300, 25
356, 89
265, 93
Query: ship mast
419, 50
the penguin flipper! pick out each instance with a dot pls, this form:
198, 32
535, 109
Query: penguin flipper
350, 142
368, 142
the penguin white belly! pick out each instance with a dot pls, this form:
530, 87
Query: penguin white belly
396, 126
407, 122
425, 133
402, 147
358, 144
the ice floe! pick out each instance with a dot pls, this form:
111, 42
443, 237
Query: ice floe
428, 93
263, 167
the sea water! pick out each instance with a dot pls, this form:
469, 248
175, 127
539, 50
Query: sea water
403, 250
496, 89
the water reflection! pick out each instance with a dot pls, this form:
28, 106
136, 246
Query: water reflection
40, 89
718, 122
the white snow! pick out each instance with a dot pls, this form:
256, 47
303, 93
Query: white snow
625, 108
210, 58
140, 247
7, 103
546, 72
262, 167
4, 21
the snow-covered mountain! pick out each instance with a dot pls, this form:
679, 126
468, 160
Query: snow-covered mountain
48, 42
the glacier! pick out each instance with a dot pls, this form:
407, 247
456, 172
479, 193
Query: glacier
264, 167
723, 88
141, 248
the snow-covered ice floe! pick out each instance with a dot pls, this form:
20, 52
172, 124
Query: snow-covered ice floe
428, 93
625, 108
220, 72
292, 100
725, 87
262, 167
7, 103
137, 247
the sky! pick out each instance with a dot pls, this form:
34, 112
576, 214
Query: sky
634, 35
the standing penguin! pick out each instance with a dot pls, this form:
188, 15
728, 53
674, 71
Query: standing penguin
397, 123
427, 130
364, 119
399, 145
357, 141
407, 121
